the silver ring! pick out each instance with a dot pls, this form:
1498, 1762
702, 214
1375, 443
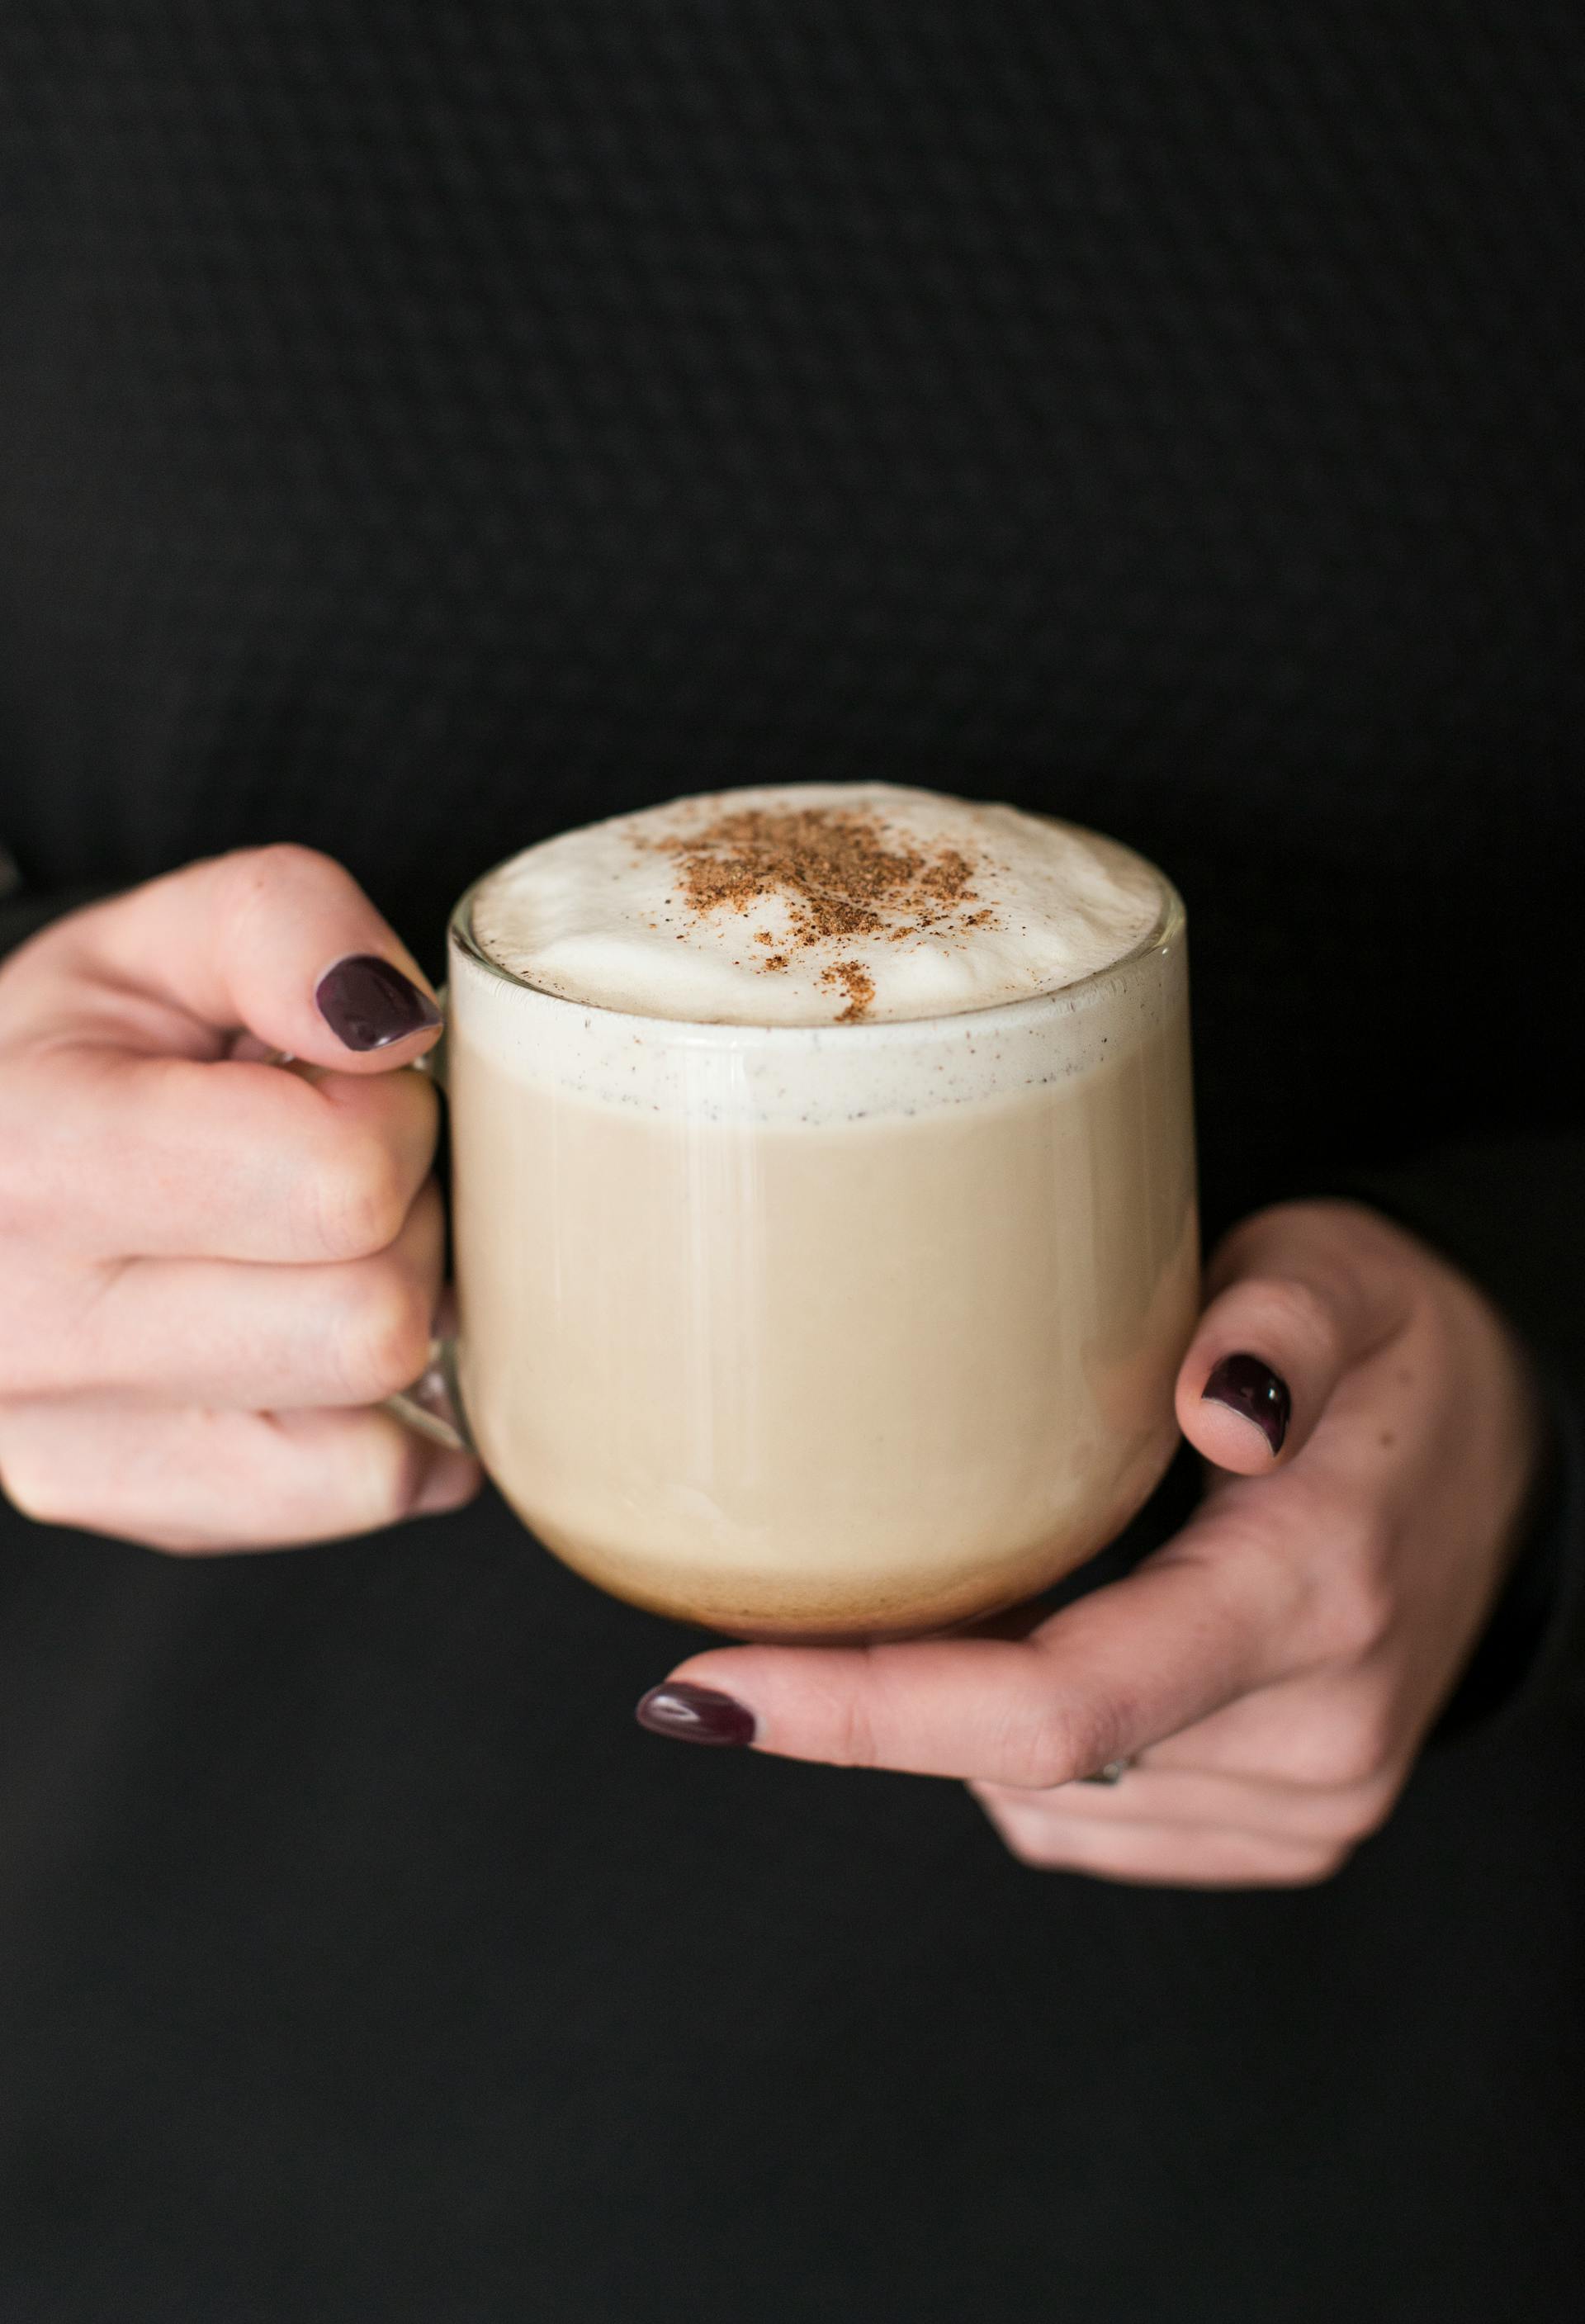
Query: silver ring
1113, 1773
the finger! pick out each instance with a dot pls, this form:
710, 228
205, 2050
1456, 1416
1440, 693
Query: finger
1304, 1295
280, 942
191, 1481
1148, 1793
1098, 1681
118, 1155
1333, 1730
1165, 1855
251, 1337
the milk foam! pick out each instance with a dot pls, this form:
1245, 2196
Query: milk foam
600, 916
821, 1074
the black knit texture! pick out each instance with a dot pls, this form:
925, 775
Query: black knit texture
427, 424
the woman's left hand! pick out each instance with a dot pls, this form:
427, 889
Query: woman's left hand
1269, 1676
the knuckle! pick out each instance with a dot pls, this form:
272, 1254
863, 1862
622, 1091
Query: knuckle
383, 1340
1048, 1744
357, 1198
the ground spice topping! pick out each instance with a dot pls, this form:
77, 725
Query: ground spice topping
840, 877
851, 978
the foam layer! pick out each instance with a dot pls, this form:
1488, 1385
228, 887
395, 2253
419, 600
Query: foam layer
816, 904
812, 1077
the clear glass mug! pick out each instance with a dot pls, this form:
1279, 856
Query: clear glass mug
836, 1331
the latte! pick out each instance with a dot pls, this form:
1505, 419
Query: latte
823, 1208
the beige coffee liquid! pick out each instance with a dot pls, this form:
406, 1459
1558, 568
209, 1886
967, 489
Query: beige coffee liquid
846, 1324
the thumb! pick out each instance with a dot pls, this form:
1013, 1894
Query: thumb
1101, 1680
1306, 1291
279, 942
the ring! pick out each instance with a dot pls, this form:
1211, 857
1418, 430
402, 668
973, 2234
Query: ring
1113, 1773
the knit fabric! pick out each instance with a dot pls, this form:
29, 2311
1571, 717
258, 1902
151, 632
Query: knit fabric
426, 425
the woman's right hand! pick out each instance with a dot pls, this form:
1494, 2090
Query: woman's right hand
212, 1270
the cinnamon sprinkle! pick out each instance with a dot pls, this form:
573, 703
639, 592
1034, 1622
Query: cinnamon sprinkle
851, 977
838, 878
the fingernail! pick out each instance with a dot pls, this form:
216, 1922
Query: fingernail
1253, 1390
696, 1714
453, 1479
368, 1004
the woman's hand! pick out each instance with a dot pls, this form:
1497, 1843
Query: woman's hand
1270, 1673
211, 1270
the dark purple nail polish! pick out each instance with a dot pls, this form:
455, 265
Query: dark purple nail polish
695, 1714
368, 1004
1251, 1388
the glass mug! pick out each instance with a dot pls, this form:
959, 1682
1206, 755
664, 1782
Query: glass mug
823, 1331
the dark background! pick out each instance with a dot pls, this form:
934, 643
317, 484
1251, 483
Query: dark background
423, 427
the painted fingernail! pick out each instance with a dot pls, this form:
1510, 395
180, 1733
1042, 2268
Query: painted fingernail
1253, 1390
452, 1480
368, 1004
696, 1714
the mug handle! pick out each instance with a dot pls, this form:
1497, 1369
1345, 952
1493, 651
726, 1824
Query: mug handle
431, 1406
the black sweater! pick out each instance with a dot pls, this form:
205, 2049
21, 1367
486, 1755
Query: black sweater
425, 426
